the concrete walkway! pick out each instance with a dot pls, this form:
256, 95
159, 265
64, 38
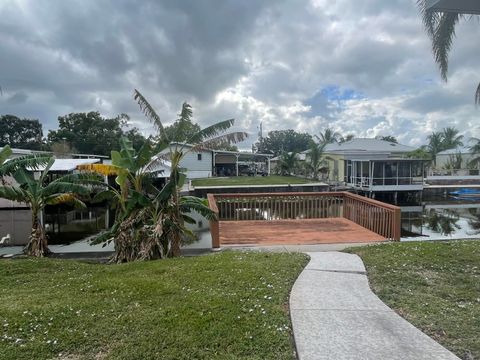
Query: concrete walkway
335, 315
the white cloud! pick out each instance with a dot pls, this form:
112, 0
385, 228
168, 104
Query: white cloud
271, 62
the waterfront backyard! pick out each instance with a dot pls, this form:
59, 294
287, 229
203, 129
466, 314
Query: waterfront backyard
231, 305
434, 285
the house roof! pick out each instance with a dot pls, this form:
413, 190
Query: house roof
70, 164
461, 150
222, 151
17, 151
363, 145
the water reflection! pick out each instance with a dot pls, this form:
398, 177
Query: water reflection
442, 221
440, 218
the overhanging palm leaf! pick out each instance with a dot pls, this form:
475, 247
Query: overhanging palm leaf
230, 138
189, 203
442, 41
211, 131
149, 112
5, 153
31, 162
13, 193
441, 29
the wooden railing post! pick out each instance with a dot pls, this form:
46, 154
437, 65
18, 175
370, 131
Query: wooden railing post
397, 224
214, 223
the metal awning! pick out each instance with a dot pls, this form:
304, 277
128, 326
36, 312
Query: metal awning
456, 6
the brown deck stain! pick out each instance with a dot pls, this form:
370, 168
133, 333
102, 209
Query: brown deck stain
294, 232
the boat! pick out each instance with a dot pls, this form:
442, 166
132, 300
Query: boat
466, 193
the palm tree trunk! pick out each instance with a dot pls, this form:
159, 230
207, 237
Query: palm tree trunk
38, 244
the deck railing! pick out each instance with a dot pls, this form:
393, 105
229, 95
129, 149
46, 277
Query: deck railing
376, 216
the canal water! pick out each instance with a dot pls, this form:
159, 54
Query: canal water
440, 217
434, 217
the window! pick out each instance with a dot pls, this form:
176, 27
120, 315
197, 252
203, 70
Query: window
199, 157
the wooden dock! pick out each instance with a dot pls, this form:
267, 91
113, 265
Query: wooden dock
294, 232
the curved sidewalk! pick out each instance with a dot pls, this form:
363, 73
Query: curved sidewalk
335, 315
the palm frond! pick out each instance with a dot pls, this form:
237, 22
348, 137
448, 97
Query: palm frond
211, 131
81, 178
230, 138
65, 187
47, 169
149, 112
66, 198
13, 193
31, 162
442, 41
103, 196
23, 177
192, 203
5, 154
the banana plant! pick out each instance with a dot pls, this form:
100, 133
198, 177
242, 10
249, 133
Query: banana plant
38, 193
174, 151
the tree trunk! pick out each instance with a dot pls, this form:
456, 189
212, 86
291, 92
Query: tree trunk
137, 240
38, 244
176, 236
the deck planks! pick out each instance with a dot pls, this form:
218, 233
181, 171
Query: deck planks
294, 232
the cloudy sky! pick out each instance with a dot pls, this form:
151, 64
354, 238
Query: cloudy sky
362, 67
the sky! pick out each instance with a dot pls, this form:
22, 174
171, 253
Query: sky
362, 67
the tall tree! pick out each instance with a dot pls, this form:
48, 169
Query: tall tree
91, 133
348, 137
329, 136
440, 27
475, 149
280, 141
314, 158
435, 145
451, 139
20, 133
287, 163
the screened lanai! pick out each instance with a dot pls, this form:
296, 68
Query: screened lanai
385, 174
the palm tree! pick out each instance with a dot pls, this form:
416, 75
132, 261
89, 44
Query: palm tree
329, 136
37, 193
206, 138
388, 138
435, 145
475, 149
346, 138
314, 158
440, 26
451, 139
287, 163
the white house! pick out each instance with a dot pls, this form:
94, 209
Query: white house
203, 163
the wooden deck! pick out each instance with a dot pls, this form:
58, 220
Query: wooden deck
294, 232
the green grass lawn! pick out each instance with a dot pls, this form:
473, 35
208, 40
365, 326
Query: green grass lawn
250, 180
434, 285
231, 305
